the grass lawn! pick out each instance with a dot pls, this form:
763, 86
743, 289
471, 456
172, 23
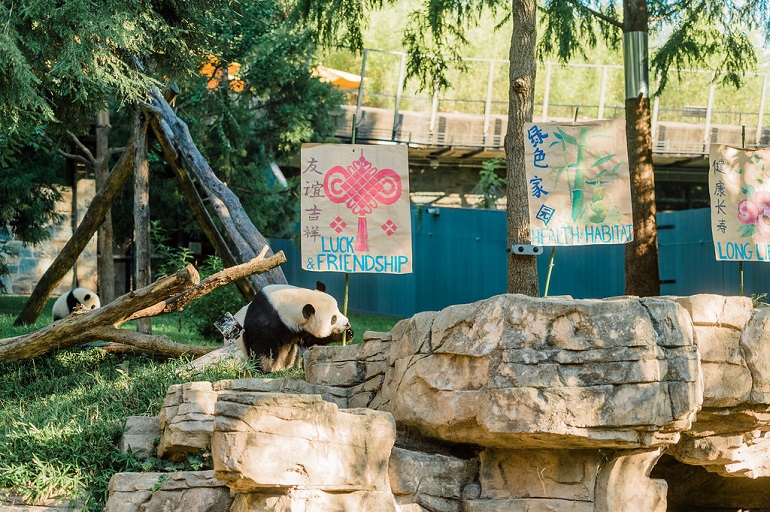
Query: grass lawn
62, 414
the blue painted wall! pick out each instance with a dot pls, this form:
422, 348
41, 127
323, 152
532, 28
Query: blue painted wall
460, 257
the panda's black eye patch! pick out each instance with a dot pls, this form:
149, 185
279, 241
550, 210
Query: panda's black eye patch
334, 319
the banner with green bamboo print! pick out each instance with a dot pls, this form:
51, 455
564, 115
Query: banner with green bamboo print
739, 186
578, 183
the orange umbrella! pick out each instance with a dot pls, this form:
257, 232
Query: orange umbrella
340, 79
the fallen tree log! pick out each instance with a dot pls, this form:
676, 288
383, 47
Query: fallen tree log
165, 295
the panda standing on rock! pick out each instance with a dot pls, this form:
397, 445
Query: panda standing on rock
75, 300
283, 318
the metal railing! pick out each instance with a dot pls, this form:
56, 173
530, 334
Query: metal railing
693, 112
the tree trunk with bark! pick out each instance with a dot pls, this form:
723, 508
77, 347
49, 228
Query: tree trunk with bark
522, 270
246, 239
641, 255
105, 267
195, 203
141, 212
166, 295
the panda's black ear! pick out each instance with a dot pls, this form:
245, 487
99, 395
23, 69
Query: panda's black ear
320, 286
308, 310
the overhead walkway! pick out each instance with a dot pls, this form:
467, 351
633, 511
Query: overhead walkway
465, 125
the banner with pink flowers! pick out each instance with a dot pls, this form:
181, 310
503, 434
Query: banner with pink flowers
355, 212
739, 186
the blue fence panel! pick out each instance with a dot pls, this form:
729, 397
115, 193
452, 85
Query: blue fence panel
584, 272
686, 253
460, 257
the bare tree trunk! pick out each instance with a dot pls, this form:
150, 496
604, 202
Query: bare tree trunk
195, 203
641, 255
105, 263
247, 240
522, 270
93, 218
141, 212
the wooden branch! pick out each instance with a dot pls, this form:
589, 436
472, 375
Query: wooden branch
76, 158
259, 264
81, 328
195, 203
82, 147
242, 247
153, 343
607, 19
165, 295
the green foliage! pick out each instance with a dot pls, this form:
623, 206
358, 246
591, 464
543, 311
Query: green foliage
337, 21
172, 259
434, 34
714, 36
203, 312
280, 104
64, 414
200, 314
569, 28
28, 199
242, 132
65, 61
760, 300
491, 185
706, 34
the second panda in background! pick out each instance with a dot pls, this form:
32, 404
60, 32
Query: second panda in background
75, 300
282, 318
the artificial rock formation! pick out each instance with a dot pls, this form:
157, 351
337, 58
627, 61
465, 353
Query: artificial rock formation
508, 404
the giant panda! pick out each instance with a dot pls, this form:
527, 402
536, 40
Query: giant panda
283, 318
79, 298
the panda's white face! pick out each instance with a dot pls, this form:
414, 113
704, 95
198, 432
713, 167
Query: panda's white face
314, 311
87, 298
323, 316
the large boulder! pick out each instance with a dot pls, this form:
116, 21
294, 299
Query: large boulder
268, 441
730, 435
514, 372
189, 491
187, 415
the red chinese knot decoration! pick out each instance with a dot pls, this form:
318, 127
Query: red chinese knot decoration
362, 187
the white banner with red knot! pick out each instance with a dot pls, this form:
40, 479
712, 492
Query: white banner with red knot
355, 209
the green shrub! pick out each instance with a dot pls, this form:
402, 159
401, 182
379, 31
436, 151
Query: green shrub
203, 312
199, 316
